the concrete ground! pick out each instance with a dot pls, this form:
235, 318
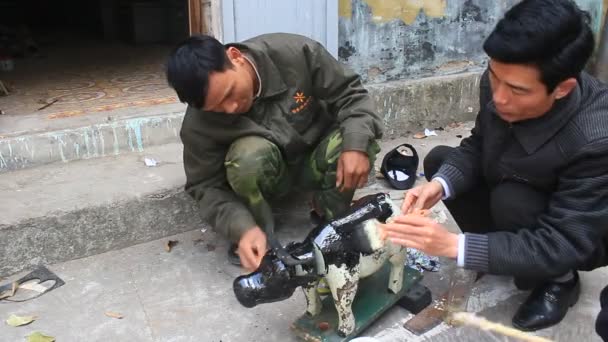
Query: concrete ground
186, 295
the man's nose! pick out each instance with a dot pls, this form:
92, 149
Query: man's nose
500, 95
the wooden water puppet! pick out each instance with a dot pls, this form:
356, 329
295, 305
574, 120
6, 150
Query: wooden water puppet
365, 273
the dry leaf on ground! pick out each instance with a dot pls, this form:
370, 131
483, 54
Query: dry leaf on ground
419, 135
169, 244
39, 337
114, 315
17, 321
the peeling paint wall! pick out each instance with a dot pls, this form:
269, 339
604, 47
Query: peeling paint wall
387, 40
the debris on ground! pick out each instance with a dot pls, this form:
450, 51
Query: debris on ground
114, 315
211, 247
34, 286
9, 292
419, 135
455, 124
150, 162
47, 105
17, 321
39, 337
198, 241
34, 282
429, 133
422, 262
169, 245
458, 136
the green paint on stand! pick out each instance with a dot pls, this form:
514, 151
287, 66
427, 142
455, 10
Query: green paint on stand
372, 300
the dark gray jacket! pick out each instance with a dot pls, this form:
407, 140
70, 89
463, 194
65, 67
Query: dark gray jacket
563, 154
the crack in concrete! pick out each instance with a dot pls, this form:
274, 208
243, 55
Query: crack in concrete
151, 334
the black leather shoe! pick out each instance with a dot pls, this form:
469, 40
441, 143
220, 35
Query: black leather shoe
547, 305
527, 284
233, 257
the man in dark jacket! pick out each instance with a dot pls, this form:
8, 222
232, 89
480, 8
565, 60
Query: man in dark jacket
273, 113
529, 187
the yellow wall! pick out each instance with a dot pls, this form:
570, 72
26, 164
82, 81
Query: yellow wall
406, 10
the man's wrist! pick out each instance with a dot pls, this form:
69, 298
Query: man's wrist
453, 253
444, 185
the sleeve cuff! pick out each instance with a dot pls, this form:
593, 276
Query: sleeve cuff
355, 142
476, 256
446, 189
461, 250
239, 226
453, 177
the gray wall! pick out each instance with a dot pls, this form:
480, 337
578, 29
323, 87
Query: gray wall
387, 40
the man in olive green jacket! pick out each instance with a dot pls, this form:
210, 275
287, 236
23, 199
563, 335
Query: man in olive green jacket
272, 114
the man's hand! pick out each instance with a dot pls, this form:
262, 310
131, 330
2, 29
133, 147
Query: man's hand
353, 169
252, 248
422, 197
424, 234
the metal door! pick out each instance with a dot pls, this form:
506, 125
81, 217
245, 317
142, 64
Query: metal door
317, 19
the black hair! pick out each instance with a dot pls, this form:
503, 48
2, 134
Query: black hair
553, 35
190, 64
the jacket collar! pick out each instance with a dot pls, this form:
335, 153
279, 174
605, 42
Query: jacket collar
272, 83
534, 133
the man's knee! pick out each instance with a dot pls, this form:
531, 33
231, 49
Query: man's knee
250, 161
434, 160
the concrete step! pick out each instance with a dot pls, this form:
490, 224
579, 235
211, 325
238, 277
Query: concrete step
56, 212
60, 212
33, 140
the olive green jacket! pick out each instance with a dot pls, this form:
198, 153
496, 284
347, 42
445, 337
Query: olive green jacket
305, 93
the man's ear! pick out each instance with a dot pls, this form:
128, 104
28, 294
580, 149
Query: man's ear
564, 88
235, 55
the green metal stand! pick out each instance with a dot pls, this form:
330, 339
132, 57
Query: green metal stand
372, 300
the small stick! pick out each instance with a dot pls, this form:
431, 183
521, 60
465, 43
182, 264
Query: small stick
48, 104
468, 318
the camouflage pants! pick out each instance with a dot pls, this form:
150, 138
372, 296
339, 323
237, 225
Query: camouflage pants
256, 171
